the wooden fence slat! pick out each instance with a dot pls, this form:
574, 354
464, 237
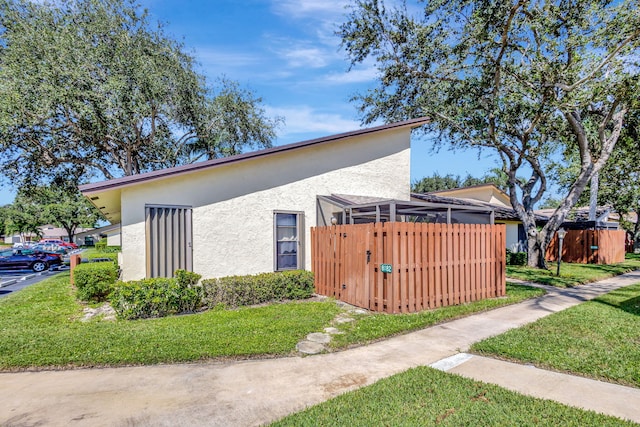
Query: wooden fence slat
433, 265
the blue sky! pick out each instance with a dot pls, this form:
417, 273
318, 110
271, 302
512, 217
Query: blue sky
287, 53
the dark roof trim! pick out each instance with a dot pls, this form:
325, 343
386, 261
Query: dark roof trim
178, 170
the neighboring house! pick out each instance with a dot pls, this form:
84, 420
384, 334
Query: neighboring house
110, 232
47, 231
484, 195
578, 218
252, 212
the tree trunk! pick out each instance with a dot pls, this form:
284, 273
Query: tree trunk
636, 233
593, 197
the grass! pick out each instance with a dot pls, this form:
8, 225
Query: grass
425, 397
573, 274
40, 327
598, 339
371, 327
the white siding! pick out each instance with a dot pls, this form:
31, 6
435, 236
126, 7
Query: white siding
233, 205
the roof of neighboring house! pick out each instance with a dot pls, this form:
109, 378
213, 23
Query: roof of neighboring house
580, 214
100, 230
106, 195
481, 192
501, 213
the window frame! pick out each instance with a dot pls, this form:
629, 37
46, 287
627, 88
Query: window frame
299, 216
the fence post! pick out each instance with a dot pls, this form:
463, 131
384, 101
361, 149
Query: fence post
75, 260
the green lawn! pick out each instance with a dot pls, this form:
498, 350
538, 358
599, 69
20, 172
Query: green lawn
39, 327
371, 327
573, 274
426, 397
598, 339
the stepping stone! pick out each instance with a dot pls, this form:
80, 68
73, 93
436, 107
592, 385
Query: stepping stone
333, 331
308, 347
319, 338
343, 319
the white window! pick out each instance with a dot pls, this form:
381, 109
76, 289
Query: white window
288, 232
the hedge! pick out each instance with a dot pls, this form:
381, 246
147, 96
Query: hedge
157, 297
516, 258
236, 291
95, 280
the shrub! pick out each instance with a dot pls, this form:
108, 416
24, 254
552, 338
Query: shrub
101, 244
95, 281
157, 297
95, 256
516, 258
236, 291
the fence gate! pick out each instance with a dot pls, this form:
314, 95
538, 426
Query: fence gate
405, 267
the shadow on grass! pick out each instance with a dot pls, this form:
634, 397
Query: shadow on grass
622, 299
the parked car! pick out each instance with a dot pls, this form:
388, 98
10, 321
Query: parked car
23, 259
59, 243
50, 248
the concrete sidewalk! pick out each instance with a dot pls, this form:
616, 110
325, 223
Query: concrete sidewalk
259, 391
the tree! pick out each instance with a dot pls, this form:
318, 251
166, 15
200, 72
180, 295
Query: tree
63, 205
437, 182
23, 217
90, 88
522, 78
620, 179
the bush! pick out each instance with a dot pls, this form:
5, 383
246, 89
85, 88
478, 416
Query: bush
516, 258
101, 244
157, 297
95, 281
94, 256
236, 291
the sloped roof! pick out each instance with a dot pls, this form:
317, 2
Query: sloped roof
105, 195
501, 213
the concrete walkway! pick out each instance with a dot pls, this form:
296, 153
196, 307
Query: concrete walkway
259, 391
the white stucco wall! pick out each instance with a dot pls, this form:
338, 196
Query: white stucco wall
113, 239
233, 204
512, 235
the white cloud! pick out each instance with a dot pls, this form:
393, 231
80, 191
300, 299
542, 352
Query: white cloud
303, 119
305, 56
312, 8
353, 76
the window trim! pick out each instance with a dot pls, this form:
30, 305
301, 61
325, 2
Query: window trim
300, 239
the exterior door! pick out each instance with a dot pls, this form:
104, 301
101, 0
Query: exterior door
169, 244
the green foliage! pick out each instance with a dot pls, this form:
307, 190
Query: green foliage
528, 80
437, 182
92, 87
370, 327
40, 328
598, 339
516, 258
237, 291
573, 274
101, 245
424, 396
95, 280
23, 216
157, 297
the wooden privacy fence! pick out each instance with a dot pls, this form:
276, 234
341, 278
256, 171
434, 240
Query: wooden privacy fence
589, 247
400, 267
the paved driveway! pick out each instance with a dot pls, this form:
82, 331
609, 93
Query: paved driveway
12, 281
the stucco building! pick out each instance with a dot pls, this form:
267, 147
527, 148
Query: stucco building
249, 213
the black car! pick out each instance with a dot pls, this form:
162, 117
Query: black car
27, 259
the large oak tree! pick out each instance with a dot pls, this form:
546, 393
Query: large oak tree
519, 77
92, 88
